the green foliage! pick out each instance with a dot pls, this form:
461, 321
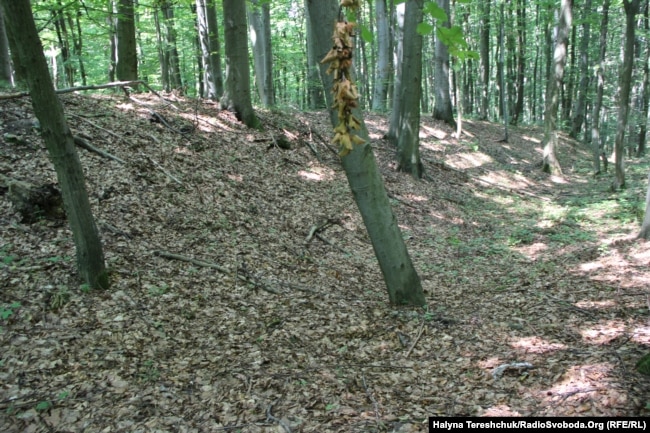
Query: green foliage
158, 290
643, 365
8, 310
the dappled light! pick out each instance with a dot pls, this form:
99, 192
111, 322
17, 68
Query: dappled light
603, 333
536, 345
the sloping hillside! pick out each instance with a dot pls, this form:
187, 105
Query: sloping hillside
246, 294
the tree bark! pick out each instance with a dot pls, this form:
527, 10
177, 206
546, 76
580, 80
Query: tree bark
393, 128
126, 59
645, 88
442, 109
631, 9
645, 226
382, 72
600, 85
171, 49
237, 95
581, 100
209, 38
408, 143
550, 162
518, 112
6, 78
60, 144
259, 17
402, 281
484, 68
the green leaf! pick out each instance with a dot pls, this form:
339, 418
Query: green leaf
424, 28
366, 34
43, 406
435, 11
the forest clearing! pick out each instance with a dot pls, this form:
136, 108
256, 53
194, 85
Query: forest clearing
246, 296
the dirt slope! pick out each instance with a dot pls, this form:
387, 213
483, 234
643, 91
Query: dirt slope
225, 315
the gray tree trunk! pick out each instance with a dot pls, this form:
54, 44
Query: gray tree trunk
171, 49
645, 226
645, 88
408, 142
600, 85
237, 95
393, 128
550, 163
206, 13
315, 95
442, 109
625, 78
484, 68
382, 72
59, 143
259, 17
402, 282
5, 58
581, 101
126, 59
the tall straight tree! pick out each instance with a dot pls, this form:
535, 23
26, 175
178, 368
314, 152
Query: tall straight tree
600, 86
259, 18
624, 84
59, 142
521, 61
315, 96
382, 72
237, 95
408, 141
550, 163
402, 281
126, 58
645, 86
206, 13
581, 101
484, 65
170, 49
5, 58
442, 109
393, 128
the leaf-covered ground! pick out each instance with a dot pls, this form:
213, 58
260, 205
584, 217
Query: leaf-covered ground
246, 296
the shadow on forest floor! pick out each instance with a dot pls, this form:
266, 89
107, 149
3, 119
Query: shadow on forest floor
224, 313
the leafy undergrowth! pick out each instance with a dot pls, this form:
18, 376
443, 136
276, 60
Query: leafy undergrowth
270, 329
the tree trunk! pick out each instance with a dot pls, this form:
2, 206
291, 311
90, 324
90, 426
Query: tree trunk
126, 66
403, 283
382, 73
442, 109
78, 45
503, 94
645, 226
162, 57
171, 49
64, 44
645, 88
259, 16
408, 143
550, 163
521, 61
316, 97
209, 37
484, 68
237, 97
631, 9
60, 144
5, 59
600, 85
393, 128
581, 100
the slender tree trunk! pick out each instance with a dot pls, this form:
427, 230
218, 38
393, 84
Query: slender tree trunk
408, 143
78, 45
394, 126
382, 75
126, 66
237, 95
521, 61
209, 40
171, 48
631, 9
160, 47
6, 78
581, 101
502, 85
403, 283
442, 109
550, 162
316, 97
259, 17
600, 85
59, 143
484, 50
58, 18
645, 88
645, 226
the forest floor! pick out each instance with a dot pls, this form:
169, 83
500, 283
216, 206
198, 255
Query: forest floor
226, 315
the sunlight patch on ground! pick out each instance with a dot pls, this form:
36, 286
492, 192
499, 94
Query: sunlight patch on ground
603, 333
531, 139
507, 179
125, 106
595, 305
536, 345
462, 161
427, 131
532, 251
641, 335
580, 383
501, 410
434, 146
208, 124
558, 179
416, 198
317, 173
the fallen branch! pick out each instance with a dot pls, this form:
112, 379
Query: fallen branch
416, 340
270, 417
81, 142
92, 87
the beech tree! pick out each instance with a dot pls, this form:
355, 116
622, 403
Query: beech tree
126, 58
59, 142
600, 86
442, 109
366, 184
5, 59
259, 17
382, 72
237, 95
